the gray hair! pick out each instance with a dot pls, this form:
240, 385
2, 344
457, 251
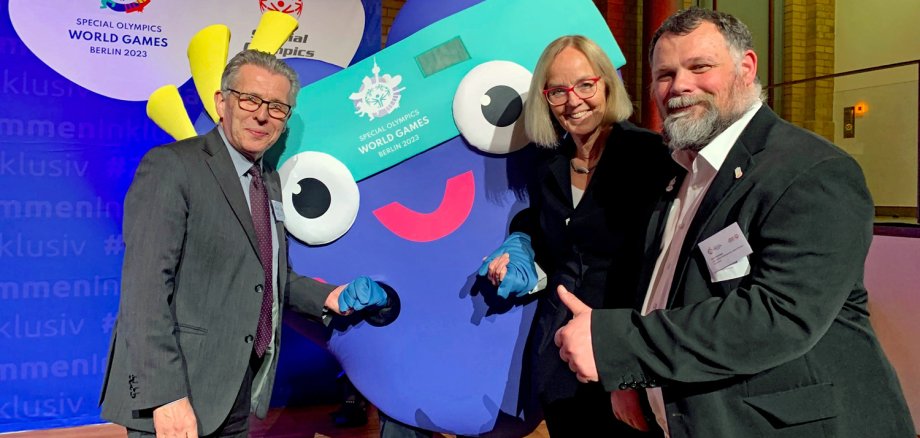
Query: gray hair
263, 60
737, 35
541, 126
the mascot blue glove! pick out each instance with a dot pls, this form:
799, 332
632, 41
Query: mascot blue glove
361, 293
521, 275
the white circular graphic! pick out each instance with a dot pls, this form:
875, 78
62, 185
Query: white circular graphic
489, 106
320, 197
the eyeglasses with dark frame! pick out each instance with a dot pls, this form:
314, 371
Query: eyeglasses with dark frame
584, 89
252, 103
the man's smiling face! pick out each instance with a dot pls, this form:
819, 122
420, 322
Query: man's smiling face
253, 133
699, 86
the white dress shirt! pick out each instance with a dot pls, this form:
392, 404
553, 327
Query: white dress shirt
702, 168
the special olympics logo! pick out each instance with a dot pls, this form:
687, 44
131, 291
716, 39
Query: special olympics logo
123, 6
378, 96
288, 7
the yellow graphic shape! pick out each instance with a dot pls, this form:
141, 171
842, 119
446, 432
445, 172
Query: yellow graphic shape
207, 57
274, 29
165, 108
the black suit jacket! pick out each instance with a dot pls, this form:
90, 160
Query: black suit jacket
191, 288
594, 249
787, 350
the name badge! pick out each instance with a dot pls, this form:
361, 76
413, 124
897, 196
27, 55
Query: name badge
725, 248
278, 210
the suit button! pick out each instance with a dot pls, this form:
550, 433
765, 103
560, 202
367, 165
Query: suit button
248, 338
258, 288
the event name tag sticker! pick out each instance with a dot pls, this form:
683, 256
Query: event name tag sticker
725, 248
279, 210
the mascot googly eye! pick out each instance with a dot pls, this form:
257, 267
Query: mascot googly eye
320, 197
489, 106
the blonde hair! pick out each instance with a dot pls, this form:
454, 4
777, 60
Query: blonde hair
541, 127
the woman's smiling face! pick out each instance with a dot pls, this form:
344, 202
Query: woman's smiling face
579, 117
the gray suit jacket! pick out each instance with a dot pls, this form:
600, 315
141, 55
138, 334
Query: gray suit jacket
786, 350
191, 288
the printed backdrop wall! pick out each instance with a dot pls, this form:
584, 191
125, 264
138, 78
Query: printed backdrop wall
74, 77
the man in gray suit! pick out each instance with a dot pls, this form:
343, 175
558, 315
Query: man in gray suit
206, 273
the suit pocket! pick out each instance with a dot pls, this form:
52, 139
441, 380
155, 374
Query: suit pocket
736, 270
185, 328
191, 341
797, 406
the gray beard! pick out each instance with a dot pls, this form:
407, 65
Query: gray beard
694, 134
683, 131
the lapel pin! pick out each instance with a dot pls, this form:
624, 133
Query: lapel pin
738, 172
671, 184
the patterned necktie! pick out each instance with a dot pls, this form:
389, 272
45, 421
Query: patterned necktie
261, 221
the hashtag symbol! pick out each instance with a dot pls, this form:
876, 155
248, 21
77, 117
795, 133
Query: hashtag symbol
114, 245
116, 167
108, 322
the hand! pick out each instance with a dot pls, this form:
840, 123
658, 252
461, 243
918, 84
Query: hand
511, 266
360, 293
627, 407
574, 338
175, 420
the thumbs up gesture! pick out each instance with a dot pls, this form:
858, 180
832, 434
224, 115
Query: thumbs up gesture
574, 338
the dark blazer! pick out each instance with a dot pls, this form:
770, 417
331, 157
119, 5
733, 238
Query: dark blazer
787, 350
191, 288
594, 249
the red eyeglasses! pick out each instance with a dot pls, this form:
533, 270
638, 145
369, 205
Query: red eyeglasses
585, 89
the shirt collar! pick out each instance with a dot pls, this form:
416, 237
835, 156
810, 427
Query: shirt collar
240, 162
717, 150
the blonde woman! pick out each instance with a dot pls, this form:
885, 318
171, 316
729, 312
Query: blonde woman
586, 219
